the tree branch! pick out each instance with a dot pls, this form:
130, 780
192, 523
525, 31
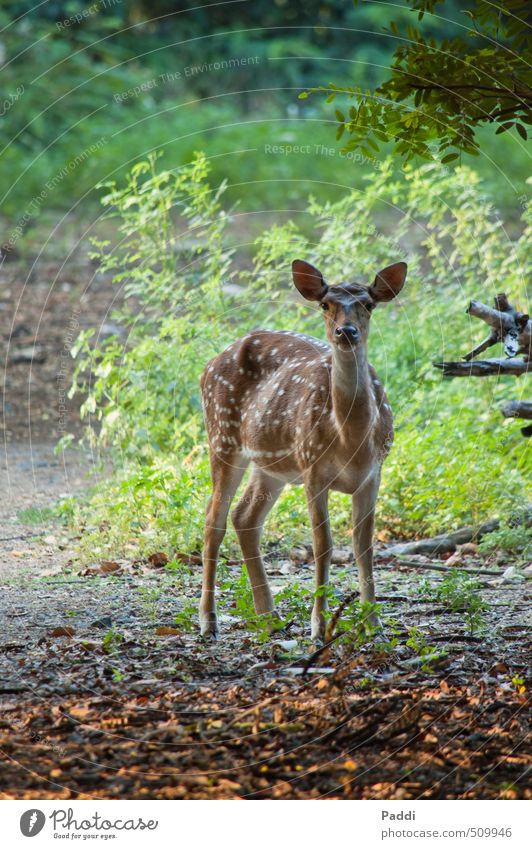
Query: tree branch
522, 99
483, 368
501, 321
490, 340
517, 410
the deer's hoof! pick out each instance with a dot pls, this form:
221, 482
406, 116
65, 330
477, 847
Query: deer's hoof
317, 632
209, 627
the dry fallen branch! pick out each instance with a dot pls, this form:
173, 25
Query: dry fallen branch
482, 368
444, 543
441, 567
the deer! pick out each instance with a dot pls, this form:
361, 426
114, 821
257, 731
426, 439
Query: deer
300, 411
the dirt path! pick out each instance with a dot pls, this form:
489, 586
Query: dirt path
32, 480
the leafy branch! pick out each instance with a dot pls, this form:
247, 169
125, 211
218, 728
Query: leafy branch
437, 94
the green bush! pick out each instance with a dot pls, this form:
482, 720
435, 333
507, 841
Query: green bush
454, 459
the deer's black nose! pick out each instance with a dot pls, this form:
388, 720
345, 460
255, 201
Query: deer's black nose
348, 332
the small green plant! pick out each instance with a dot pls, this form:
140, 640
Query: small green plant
36, 515
459, 593
417, 641
118, 676
112, 641
239, 595
187, 616
293, 603
239, 598
352, 620
390, 640
519, 684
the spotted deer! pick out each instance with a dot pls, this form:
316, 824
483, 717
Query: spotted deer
301, 412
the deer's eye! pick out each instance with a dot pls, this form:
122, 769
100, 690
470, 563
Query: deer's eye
324, 307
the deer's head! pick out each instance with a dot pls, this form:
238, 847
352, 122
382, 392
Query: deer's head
347, 307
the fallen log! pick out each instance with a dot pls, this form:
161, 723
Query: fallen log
442, 543
482, 368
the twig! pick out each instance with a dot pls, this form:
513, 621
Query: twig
440, 567
490, 340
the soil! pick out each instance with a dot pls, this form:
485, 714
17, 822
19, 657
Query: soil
102, 696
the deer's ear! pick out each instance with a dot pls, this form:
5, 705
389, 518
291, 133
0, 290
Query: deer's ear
388, 282
308, 280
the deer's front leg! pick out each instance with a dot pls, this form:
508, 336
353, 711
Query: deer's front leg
317, 500
364, 500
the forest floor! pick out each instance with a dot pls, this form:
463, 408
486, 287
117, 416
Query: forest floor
103, 696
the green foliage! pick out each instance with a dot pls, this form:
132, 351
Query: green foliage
516, 539
36, 515
354, 624
294, 603
142, 398
237, 598
459, 592
441, 89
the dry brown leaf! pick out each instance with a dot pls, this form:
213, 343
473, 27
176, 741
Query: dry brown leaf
190, 559
62, 632
109, 566
167, 631
158, 558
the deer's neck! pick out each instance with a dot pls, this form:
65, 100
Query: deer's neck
352, 392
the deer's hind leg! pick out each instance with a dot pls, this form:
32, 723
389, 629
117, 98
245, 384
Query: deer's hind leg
226, 476
248, 518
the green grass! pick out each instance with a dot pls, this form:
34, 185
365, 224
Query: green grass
37, 515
